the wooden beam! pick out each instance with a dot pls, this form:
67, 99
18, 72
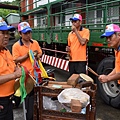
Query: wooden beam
11, 7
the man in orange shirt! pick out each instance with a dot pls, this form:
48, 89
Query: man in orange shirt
77, 42
8, 73
20, 51
112, 34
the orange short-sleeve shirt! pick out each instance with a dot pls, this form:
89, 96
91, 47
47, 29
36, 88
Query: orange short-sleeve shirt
117, 62
7, 66
19, 49
78, 51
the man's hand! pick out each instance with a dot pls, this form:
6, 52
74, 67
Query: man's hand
67, 48
18, 72
73, 28
103, 78
37, 55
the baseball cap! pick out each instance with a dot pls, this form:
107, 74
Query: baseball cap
110, 30
76, 17
24, 27
4, 26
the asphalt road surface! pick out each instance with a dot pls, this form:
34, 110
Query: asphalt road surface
103, 111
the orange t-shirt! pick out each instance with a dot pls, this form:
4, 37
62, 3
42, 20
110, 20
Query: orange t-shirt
19, 49
78, 51
7, 66
117, 63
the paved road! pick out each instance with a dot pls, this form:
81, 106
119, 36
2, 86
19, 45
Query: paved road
104, 112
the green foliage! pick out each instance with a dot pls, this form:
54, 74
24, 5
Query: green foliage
15, 2
5, 12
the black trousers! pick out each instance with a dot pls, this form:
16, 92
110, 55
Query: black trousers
7, 112
29, 105
77, 67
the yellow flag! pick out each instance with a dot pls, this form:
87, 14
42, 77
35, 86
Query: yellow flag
44, 73
17, 93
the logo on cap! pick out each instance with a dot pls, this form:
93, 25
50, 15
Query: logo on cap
24, 27
4, 26
2, 22
76, 17
110, 30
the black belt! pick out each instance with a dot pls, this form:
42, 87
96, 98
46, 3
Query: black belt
5, 98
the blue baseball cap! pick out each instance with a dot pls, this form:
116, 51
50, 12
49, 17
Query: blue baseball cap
76, 17
4, 26
24, 27
110, 30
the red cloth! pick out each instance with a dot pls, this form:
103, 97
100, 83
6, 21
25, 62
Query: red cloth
38, 71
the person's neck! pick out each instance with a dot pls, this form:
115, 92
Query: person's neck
1, 48
25, 42
78, 29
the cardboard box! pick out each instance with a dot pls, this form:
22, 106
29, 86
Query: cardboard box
73, 80
76, 105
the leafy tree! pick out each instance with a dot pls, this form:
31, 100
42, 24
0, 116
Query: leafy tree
5, 12
16, 2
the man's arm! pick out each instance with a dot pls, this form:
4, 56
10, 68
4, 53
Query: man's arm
112, 73
38, 51
82, 41
107, 78
110, 77
21, 59
12, 76
16, 55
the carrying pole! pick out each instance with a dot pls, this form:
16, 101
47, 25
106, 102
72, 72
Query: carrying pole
24, 110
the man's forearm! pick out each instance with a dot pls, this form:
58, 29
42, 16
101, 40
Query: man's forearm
81, 40
21, 59
6, 78
112, 73
114, 77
